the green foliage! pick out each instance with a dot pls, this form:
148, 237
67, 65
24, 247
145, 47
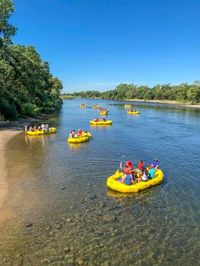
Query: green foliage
185, 93
30, 109
194, 94
81, 94
6, 30
27, 87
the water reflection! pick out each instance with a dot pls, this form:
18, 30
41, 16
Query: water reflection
77, 146
61, 189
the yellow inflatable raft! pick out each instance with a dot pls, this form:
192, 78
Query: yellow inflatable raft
101, 123
127, 106
95, 106
83, 106
103, 112
133, 112
88, 134
113, 184
81, 139
41, 132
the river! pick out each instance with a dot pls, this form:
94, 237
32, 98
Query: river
60, 212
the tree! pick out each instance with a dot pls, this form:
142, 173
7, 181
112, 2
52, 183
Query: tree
7, 31
194, 94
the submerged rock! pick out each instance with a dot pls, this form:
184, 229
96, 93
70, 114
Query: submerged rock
28, 224
80, 260
67, 249
109, 218
93, 196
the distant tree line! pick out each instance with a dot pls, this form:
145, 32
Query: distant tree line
27, 88
183, 92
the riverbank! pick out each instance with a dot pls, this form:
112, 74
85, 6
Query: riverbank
5, 136
8, 130
197, 106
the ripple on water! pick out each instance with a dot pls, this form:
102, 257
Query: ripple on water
76, 220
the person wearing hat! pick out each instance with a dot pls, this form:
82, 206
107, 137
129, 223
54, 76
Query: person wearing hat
128, 173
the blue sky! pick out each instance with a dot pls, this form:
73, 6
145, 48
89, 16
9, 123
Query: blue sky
97, 44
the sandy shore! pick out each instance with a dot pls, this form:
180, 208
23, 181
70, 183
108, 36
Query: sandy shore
8, 130
197, 106
5, 136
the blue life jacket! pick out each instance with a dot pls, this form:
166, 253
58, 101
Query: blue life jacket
128, 179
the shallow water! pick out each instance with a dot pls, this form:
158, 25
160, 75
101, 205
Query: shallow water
59, 211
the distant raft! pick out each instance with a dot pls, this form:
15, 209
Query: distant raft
114, 184
103, 112
94, 106
80, 139
133, 112
83, 105
101, 123
127, 106
41, 132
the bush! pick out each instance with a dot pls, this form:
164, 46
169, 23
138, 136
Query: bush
8, 110
30, 109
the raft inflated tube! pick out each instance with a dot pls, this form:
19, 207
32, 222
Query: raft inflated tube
114, 184
78, 140
81, 139
95, 106
88, 134
133, 113
127, 106
41, 132
103, 112
83, 106
101, 123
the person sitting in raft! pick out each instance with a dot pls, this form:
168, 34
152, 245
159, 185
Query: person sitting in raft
139, 169
155, 163
80, 132
46, 127
70, 134
84, 133
151, 172
34, 129
140, 166
42, 126
143, 176
73, 133
96, 120
103, 119
128, 173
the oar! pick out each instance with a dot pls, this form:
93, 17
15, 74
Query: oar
117, 172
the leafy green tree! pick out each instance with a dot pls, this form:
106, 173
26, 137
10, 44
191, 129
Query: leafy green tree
27, 87
7, 31
194, 94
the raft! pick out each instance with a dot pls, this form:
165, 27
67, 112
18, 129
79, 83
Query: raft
101, 123
103, 112
83, 106
113, 184
41, 132
95, 106
81, 139
127, 106
88, 134
133, 113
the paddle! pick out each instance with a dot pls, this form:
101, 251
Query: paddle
118, 170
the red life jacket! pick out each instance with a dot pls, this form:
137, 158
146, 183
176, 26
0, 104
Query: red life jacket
140, 166
127, 170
